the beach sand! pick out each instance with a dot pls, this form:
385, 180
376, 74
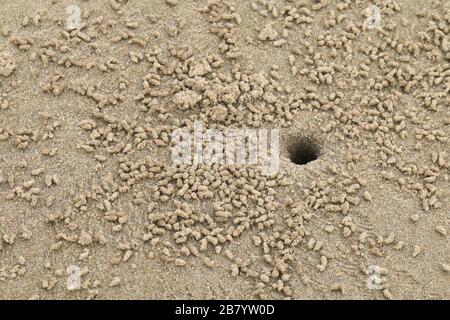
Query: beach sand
93, 207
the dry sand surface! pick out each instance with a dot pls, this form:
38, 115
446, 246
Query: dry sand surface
87, 183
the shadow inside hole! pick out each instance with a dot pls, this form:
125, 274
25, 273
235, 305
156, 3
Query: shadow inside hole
303, 151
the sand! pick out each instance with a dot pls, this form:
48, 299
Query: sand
92, 207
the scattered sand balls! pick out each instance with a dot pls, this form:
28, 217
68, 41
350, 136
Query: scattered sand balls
416, 250
145, 203
180, 262
7, 65
85, 239
441, 230
115, 282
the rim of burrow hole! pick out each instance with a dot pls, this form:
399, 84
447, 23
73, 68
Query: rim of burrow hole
304, 149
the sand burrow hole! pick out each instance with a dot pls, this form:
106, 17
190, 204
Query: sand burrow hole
303, 150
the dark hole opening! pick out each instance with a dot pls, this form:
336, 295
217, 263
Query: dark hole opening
303, 151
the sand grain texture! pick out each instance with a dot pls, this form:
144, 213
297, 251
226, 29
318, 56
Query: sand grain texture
86, 177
